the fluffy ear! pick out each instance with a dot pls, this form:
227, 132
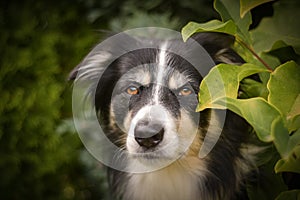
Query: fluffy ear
101, 56
92, 65
73, 73
218, 45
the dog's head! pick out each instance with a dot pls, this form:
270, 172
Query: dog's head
146, 98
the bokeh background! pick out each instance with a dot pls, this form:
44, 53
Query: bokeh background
41, 155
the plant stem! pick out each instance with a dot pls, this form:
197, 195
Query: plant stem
254, 53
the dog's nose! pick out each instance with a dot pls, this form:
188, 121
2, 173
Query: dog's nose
148, 135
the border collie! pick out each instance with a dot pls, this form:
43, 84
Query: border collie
145, 101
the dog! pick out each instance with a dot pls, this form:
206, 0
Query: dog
145, 102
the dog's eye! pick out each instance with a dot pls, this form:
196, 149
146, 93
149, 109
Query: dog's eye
132, 90
185, 91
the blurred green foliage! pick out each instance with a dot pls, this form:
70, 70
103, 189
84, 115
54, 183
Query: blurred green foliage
41, 156
40, 43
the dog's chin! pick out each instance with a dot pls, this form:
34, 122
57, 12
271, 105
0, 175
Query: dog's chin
154, 156
148, 162
154, 159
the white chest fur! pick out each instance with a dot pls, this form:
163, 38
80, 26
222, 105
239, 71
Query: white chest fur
180, 181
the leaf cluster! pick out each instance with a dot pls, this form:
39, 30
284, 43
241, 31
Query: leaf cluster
271, 106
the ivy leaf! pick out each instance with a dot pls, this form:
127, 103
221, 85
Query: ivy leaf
247, 5
211, 26
230, 10
284, 91
289, 195
278, 27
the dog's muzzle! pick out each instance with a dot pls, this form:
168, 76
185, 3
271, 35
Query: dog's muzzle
148, 134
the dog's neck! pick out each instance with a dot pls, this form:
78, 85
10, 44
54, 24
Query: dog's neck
180, 180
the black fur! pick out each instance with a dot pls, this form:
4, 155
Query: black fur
224, 181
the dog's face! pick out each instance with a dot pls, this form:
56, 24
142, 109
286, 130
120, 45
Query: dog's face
145, 101
154, 104
146, 98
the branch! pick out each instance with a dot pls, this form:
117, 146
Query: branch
254, 53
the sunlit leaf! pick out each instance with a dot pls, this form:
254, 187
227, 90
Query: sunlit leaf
247, 5
219, 90
211, 26
223, 81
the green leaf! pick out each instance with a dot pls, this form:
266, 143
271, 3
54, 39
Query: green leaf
244, 52
294, 115
230, 10
280, 136
247, 5
289, 195
251, 88
271, 60
211, 26
284, 91
278, 27
219, 90
291, 164
248, 109
223, 81
283, 52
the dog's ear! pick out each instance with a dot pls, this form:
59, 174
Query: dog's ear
218, 45
103, 55
73, 74
92, 65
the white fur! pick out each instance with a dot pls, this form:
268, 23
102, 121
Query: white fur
179, 181
177, 80
162, 65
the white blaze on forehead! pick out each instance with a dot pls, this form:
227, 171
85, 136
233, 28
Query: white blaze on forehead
161, 63
159, 77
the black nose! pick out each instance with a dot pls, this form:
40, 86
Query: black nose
148, 134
